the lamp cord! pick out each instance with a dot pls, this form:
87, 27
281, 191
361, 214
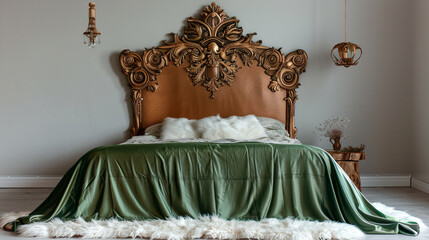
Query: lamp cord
345, 20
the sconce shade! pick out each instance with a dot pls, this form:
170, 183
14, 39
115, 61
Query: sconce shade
346, 53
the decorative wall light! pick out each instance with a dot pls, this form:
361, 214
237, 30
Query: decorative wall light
91, 35
346, 50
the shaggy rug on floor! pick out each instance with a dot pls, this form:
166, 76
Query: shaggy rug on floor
208, 227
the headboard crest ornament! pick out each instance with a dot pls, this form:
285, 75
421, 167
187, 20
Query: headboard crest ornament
212, 44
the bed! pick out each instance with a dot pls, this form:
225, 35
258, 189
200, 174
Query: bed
212, 69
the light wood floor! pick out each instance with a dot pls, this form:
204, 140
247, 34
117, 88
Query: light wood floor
407, 199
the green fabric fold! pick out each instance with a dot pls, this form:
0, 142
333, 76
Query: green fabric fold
232, 180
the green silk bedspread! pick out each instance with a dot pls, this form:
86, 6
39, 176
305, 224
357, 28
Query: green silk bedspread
232, 180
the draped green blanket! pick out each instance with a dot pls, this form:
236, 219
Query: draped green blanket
231, 180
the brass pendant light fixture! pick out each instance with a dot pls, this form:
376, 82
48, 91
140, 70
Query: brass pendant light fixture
91, 35
346, 50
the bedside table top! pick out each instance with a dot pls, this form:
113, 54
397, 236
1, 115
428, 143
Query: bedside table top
346, 156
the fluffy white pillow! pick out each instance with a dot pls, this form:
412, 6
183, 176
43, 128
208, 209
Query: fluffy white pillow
175, 128
234, 127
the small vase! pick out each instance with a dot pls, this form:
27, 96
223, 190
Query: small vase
336, 143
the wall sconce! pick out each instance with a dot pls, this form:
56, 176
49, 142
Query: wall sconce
346, 50
91, 35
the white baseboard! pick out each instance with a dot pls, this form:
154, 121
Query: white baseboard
420, 185
385, 180
29, 181
367, 181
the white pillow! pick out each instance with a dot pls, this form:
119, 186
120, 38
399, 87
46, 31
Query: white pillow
174, 128
234, 127
273, 128
154, 130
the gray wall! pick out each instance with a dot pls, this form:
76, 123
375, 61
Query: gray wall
59, 99
420, 94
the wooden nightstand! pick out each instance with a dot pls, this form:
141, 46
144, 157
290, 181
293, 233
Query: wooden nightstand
349, 161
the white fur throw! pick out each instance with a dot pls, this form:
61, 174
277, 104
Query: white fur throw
206, 227
184, 228
175, 128
234, 127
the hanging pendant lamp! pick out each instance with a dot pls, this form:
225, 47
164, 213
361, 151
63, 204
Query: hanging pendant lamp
91, 35
346, 50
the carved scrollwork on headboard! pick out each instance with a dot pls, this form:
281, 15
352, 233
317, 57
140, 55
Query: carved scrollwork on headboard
212, 44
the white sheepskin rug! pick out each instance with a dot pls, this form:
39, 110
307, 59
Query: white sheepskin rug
400, 215
206, 227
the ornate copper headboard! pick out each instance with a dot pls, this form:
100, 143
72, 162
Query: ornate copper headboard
212, 53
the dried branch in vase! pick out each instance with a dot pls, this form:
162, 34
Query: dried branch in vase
334, 128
